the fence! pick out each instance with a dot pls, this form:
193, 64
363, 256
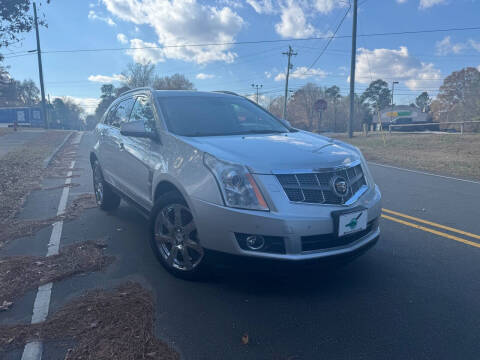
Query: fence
461, 123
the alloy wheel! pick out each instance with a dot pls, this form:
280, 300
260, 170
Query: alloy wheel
176, 238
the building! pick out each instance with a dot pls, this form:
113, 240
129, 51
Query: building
404, 114
30, 116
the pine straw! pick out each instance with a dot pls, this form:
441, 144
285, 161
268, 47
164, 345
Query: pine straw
18, 228
19, 274
115, 324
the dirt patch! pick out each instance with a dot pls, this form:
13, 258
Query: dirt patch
444, 154
103, 324
19, 274
21, 171
17, 228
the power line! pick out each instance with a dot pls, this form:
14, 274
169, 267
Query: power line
330, 39
428, 31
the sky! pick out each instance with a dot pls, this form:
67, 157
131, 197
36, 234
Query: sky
117, 32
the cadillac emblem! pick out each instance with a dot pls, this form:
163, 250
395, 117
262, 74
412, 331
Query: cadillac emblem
340, 186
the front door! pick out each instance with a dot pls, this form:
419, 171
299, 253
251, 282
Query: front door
137, 163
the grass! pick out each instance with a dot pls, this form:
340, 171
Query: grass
4, 131
444, 154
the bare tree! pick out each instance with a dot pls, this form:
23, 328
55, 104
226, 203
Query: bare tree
174, 82
139, 75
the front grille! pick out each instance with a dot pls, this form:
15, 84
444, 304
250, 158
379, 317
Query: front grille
317, 188
327, 241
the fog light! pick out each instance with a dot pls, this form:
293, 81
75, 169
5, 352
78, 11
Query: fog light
255, 242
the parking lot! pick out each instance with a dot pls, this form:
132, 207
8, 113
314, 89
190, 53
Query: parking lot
414, 295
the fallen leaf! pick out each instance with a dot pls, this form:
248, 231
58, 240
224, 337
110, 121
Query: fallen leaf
245, 339
6, 305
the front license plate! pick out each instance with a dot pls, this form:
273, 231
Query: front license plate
352, 222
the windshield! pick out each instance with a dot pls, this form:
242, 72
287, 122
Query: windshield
214, 116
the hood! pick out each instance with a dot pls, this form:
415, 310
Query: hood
271, 152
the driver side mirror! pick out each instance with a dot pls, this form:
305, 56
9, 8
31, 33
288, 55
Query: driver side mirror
137, 129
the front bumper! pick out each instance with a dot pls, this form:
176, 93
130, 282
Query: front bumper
217, 226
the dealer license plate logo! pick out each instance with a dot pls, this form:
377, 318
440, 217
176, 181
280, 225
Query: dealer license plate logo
352, 222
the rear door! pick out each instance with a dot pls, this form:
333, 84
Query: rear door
106, 147
114, 149
137, 161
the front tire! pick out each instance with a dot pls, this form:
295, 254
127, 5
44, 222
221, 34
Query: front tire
106, 199
174, 238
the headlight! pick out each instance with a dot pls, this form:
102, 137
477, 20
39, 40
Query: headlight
237, 185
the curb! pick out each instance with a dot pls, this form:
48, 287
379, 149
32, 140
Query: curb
49, 159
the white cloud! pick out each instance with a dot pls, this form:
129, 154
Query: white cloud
478, 67
202, 76
401, 1
92, 15
183, 22
425, 4
293, 22
261, 6
122, 38
302, 72
87, 104
326, 6
106, 78
268, 74
144, 52
474, 44
445, 46
398, 65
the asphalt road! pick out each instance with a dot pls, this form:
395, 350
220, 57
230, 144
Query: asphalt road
415, 295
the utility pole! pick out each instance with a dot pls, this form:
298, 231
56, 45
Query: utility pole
40, 69
257, 86
352, 70
393, 88
289, 66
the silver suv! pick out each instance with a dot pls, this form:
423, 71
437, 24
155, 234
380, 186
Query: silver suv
215, 172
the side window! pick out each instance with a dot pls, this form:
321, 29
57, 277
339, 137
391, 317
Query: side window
109, 117
143, 111
122, 112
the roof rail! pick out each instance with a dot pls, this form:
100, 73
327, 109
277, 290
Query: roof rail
226, 92
137, 89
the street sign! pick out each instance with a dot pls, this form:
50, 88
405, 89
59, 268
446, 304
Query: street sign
320, 105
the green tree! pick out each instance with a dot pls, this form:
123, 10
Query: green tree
15, 19
27, 93
423, 101
333, 96
377, 96
108, 94
66, 114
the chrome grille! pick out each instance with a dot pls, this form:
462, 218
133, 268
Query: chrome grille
317, 188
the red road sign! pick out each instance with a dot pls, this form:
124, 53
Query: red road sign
320, 105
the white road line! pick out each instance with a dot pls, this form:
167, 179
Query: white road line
33, 350
425, 173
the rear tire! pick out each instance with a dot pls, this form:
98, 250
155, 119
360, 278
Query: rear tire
174, 238
104, 195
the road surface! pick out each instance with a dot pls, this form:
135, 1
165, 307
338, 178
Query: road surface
415, 295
